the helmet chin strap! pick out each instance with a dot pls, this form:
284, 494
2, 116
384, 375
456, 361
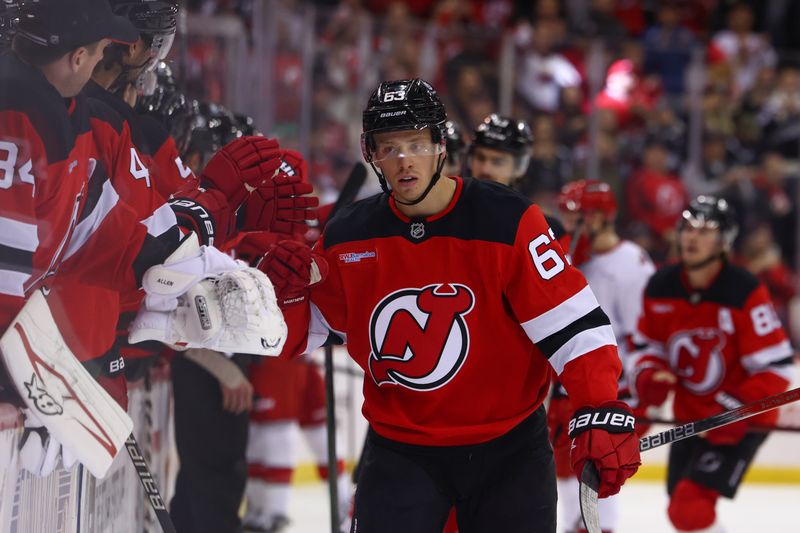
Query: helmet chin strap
424, 194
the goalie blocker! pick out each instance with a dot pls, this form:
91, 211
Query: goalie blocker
57, 389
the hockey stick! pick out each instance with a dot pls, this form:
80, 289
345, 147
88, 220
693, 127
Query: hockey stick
754, 428
590, 478
149, 484
348, 194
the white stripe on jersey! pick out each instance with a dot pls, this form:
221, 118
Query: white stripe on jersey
651, 347
12, 282
561, 316
161, 221
581, 344
19, 235
319, 330
761, 359
86, 228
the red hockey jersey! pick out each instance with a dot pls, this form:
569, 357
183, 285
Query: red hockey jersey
49, 210
457, 319
726, 338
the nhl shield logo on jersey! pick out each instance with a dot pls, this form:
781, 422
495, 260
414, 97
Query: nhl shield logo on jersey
419, 337
696, 358
417, 230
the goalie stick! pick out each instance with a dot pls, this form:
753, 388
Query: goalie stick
590, 478
347, 196
149, 483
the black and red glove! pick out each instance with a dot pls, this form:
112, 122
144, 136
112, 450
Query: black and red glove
292, 268
282, 204
241, 166
205, 212
653, 385
605, 435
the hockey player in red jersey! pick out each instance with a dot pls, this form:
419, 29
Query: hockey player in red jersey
617, 271
709, 332
452, 296
67, 220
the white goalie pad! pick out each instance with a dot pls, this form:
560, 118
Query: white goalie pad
236, 312
73, 407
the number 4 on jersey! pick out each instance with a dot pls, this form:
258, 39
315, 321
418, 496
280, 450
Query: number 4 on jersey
138, 170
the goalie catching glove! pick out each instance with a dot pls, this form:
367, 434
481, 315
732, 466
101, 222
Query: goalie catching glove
605, 436
202, 298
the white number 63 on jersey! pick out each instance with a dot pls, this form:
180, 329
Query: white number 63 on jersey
547, 262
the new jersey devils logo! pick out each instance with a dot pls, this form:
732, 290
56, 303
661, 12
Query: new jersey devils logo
696, 358
419, 338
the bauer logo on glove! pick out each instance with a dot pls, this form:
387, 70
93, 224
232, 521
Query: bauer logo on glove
610, 420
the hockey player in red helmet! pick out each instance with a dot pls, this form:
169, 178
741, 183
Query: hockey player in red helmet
617, 271
586, 207
708, 332
470, 306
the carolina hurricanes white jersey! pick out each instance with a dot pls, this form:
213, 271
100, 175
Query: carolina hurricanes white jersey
618, 278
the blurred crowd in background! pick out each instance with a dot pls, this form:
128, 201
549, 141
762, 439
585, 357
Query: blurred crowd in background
662, 99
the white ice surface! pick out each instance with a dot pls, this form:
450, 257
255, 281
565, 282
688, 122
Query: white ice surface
757, 508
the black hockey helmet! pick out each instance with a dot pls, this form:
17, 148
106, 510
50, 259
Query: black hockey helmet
507, 135
504, 134
171, 107
403, 105
157, 22
10, 12
150, 17
712, 212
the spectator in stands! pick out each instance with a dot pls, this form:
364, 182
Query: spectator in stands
781, 113
599, 21
747, 51
716, 163
668, 49
656, 197
617, 95
571, 120
550, 167
762, 256
665, 125
543, 72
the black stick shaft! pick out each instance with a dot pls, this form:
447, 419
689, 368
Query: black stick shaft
330, 422
149, 484
728, 417
758, 428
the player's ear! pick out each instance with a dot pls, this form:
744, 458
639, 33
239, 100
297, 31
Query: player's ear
77, 58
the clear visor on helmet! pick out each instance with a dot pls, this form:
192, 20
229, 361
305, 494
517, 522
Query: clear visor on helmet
390, 149
159, 49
